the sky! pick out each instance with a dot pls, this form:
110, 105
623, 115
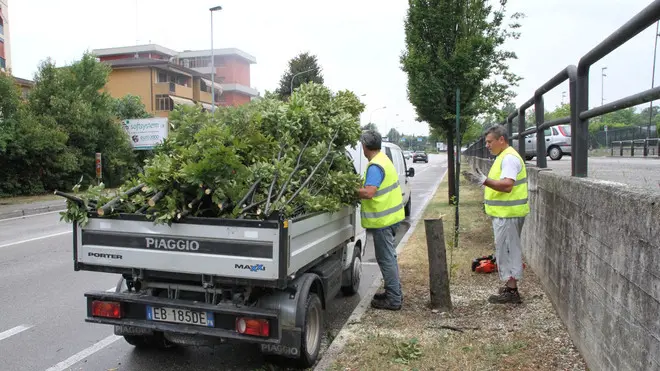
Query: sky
358, 42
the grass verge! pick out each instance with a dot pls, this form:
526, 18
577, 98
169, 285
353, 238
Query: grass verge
476, 335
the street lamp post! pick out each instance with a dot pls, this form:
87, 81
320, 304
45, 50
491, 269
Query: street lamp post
602, 85
657, 29
215, 8
299, 73
372, 113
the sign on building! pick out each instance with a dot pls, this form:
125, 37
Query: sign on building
145, 134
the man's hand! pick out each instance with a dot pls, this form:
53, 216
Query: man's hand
476, 177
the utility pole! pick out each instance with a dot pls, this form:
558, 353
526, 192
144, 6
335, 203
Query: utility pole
655, 48
602, 85
213, 61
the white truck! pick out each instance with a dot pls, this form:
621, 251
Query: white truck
206, 280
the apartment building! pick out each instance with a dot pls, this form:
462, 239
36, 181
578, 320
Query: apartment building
5, 46
164, 78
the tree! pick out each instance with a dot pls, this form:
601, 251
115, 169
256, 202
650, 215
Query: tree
370, 126
305, 68
457, 44
393, 135
72, 98
130, 107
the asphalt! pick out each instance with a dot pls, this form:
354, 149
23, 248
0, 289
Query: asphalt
42, 323
637, 171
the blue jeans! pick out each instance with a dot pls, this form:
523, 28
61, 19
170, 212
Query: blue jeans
386, 258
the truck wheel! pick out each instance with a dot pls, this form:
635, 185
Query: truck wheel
312, 331
356, 274
155, 341
408, 206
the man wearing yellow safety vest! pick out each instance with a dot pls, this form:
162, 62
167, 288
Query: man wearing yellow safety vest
382, 212
505, 199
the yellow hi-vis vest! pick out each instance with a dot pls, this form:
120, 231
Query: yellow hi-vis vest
386, 207
502, 204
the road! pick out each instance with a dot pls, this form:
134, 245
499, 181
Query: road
640, 172
43, 309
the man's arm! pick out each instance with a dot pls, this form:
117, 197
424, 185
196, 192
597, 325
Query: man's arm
503, 185
511, 166
375, 177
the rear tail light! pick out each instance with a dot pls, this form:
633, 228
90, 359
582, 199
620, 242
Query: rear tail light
108, 309
252, 326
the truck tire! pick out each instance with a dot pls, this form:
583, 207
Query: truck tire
408, 206
356, 274
312, 332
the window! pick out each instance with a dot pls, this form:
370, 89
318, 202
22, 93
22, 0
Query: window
162, 77
547, 132
163, 103
554, 131
388, 152
2, 63
2, 25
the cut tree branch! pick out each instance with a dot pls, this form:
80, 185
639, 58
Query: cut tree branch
114, 202
275, 175
286, 183
302, 186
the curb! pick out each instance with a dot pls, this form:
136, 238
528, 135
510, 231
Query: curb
340, 340
32, 211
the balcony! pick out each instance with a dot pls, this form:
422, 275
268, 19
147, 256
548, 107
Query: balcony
174, 89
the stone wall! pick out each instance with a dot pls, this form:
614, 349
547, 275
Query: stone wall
596, 247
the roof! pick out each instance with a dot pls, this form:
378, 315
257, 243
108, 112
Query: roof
24, 82
146, 62
218, 52
135, 49
240, 89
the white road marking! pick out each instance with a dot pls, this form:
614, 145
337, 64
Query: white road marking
84, 353
36, 239
13, 331
27, 216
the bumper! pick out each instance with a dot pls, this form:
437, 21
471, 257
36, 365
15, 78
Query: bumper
134, 319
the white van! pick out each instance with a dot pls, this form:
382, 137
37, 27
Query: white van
397, 157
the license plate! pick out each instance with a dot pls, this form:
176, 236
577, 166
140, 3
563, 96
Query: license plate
176, 315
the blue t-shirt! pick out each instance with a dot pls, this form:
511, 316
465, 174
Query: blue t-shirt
375, 176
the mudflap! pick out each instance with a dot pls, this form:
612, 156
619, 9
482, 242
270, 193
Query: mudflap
289, 345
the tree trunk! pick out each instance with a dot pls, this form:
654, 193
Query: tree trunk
451, 169
438, 272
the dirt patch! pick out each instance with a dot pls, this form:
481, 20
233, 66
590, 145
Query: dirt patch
476, 335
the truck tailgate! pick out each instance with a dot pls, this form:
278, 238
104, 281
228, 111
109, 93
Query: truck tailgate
235, 248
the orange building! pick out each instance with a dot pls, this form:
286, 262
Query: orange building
5, 46
163, 78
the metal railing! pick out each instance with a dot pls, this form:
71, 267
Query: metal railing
578, 92
645, 147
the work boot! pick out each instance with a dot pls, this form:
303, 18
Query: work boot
384, 304
505, 296
380, 295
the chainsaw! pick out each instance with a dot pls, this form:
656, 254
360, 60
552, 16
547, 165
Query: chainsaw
484, 264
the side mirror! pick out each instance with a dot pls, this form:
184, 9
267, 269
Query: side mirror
411, 172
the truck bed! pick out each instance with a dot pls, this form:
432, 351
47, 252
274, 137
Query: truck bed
265, 253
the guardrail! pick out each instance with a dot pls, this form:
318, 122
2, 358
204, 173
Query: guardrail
578, 92
649, 147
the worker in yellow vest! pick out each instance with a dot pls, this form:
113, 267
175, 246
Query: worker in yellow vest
381, 214
505, 199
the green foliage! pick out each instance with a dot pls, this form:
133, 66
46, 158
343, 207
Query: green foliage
51, 140
130, 107
258, 160
408, 351
301, 63
457, 44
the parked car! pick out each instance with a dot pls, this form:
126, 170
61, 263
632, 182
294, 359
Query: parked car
557, 143
407, 155
420, 156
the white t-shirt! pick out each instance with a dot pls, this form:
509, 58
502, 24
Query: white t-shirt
511, 166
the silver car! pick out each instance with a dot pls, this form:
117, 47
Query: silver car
557, 143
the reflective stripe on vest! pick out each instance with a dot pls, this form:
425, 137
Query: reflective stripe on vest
507, 205
386, 207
